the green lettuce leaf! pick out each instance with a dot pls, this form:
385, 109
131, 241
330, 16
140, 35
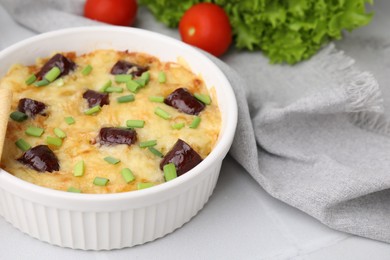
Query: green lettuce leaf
284, 30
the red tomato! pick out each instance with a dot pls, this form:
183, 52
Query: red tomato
116, 12
207, 26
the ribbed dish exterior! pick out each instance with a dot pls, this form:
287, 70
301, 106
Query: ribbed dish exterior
107, 230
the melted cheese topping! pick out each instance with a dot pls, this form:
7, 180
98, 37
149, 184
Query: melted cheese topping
80, 144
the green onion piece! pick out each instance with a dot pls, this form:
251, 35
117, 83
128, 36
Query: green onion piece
99, 181
133, 86
123, 78
34, 131
59, 82
22, 145
111, 160
125, 99
135, 123
157, 99
106, 85
169, 171
54, 141
59, 133
31, 79
195, 122
147, 143
52, 74
79, 169
155, 151
87, 70
142, 82
178, 126
41, 83
18, 116
144, 185
146, 76
162, 113
203, 98
73, 189
93, 110
162, 78
69, 120
127, 175
114, 89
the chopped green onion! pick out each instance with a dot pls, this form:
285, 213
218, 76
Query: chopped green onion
111, 160
41, 83
93, 110
31, 79
178, 126
59, 133
72, 189
128, 175
142, 82
69, 120
133, 86
34, 131
125, 99
87, 70
106, 85
114, 89
79, 169
162, 78
147, 143
54, 141
99, 181
157, 99
195, 122
22, 145
59, 82
146, 76
155, 151
18, 116
144, 185
162, 113
135, 123
203, 98
123, 78
169, 171
52, 74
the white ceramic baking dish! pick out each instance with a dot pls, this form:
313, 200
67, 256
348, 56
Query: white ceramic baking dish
110, 221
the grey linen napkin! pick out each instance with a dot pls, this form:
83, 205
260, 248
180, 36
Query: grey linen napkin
320, 151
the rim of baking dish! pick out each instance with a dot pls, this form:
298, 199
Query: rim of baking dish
220, 149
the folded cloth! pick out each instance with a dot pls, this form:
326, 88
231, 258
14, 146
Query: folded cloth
315, 151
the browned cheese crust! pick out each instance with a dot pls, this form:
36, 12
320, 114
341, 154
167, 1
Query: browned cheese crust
64, 98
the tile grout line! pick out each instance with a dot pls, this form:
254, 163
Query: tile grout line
314, 247
286, 233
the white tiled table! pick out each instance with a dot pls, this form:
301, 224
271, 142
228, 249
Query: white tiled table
241, 221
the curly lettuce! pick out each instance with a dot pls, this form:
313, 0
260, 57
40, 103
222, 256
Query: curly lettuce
285, 30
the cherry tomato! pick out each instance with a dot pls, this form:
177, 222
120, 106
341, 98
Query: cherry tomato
206, 26
116, 12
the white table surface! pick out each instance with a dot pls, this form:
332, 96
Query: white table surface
241, 221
